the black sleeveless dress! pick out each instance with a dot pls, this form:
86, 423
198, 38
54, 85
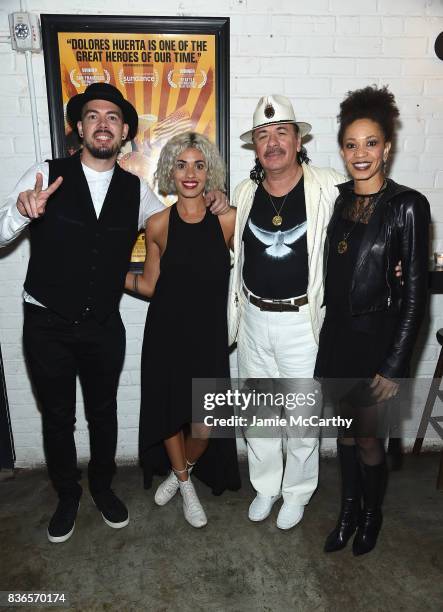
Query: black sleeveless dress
186, 337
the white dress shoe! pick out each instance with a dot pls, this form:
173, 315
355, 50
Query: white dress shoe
192, 508
289, 515
166, 490
261, 507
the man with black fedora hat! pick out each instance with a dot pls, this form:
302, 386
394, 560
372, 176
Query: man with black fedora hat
86, 212
277, 291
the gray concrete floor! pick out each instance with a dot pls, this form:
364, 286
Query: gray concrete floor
160, 563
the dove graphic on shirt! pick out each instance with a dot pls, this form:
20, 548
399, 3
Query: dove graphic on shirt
278, 243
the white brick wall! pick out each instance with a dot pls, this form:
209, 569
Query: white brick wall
314, 52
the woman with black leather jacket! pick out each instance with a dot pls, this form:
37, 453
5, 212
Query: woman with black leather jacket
372, 317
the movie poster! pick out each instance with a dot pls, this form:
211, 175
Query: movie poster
170, 78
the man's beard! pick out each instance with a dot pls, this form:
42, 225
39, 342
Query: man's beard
102, 152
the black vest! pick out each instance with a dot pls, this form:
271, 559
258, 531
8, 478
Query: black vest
78, 262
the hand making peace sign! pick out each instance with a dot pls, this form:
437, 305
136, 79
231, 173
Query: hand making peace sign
32, 202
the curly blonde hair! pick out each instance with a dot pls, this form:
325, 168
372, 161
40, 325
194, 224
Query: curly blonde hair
216, 177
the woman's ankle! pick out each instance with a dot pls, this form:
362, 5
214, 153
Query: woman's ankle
181, 475
190, 465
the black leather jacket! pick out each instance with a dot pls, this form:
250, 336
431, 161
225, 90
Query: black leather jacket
398, 231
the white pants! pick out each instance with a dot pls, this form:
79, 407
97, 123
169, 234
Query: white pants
279, 345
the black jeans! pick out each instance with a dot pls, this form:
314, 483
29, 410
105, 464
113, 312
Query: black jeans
57, 351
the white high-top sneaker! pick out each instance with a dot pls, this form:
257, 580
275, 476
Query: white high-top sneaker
167, 489
192, 508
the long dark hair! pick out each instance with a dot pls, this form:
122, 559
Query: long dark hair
257, 173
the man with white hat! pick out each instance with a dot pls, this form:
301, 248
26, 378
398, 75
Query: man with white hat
277, 291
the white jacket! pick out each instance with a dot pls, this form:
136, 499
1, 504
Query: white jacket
320, 195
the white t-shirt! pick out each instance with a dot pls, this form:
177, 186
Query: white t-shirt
12, 223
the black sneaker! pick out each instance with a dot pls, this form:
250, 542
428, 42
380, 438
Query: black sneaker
62, 524
114, 512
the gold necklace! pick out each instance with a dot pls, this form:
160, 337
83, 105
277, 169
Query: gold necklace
373, 198
277, 218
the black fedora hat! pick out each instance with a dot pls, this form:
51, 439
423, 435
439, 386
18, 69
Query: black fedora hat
102, 91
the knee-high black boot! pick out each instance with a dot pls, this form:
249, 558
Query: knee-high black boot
350, 499
373, 485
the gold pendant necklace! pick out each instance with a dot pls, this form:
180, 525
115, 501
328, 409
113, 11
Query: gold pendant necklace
277, 218
373, 198
342, 246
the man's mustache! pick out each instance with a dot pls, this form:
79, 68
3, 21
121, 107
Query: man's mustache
106, 132
274, 150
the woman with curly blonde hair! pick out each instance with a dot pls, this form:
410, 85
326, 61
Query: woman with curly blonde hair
186, 273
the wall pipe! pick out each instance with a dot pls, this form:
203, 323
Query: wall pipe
32, 97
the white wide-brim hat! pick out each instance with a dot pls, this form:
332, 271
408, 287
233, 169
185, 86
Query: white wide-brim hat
271, 110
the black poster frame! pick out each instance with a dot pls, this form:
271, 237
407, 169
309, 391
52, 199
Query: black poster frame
7, 450
53, 24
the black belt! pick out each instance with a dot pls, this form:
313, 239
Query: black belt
276, 305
